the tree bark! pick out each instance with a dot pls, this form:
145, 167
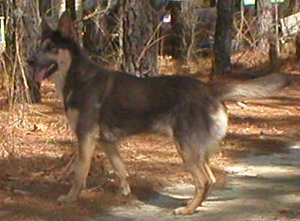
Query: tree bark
264, 24
70, 5
223, 39
79, 14
98, 39
175, 40
212, 3
139, 43
298, 46
293, 6
22, 27
44, 6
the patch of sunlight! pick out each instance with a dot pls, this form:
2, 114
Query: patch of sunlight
263, 170
288, 199
296, 147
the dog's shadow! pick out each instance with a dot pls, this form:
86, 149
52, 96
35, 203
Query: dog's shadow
172, 197
160, 199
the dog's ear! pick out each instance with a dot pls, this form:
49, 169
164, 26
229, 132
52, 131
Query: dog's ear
66, 26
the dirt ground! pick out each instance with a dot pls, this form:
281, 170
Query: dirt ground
36, 144
260, 188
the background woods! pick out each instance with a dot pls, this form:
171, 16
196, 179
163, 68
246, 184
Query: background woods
132, 35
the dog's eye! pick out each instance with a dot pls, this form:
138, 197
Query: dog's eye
50, 47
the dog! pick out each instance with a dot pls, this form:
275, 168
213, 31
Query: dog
104, 105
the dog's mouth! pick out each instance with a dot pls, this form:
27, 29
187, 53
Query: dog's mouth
44, 72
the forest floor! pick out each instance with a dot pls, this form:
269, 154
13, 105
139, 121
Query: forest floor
257, 166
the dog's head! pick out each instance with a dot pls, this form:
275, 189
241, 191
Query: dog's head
54, 55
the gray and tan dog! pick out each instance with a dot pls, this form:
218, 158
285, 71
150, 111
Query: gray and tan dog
105, 105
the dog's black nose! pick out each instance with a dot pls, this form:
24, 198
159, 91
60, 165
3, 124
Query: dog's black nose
30, 61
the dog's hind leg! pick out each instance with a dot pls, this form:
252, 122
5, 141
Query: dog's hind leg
211, 183
200, 181
86, 148
115, 159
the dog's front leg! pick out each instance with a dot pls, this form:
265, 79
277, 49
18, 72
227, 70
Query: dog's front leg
115, 159
86, 148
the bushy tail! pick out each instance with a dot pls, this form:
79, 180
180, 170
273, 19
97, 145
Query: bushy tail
257, 88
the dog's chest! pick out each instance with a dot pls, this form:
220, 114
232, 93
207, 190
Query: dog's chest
70, 99
71, 109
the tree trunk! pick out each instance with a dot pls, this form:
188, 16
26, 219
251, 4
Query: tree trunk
175, 40
212, 3
79, 13
62, 5
223, 39
293, 6
298, 46
139, 44
98, 39
189, 21
22, 27
30, 30
264, 24
44, 7
70, 5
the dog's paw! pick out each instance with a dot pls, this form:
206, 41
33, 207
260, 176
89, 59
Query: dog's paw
183, 211
125, 191
186, 202
66, 199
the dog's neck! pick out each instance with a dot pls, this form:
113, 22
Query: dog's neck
59, 77
59, 81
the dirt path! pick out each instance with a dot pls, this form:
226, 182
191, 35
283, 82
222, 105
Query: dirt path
261, 188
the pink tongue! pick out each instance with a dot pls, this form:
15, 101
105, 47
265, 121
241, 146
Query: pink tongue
40, 74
